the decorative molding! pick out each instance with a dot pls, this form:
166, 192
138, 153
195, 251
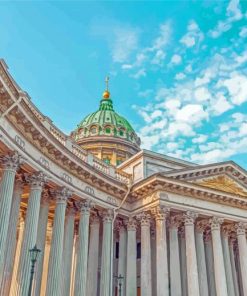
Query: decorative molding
11, 161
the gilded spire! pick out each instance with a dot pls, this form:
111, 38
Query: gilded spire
106, 94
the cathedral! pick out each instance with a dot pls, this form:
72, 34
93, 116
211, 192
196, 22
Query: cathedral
107, 218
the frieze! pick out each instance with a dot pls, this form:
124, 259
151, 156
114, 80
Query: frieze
66, 178
20, 142
89, 190
44, 162
112, 200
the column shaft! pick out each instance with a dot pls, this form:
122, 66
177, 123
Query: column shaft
146, 278
11, 240
68, 250
219, 267
82, 258
191, 260
54, 277
30, 232
10, 165
162, 280
201, 258
233, 265
175, 272
227, 262
131, 280
93, 258
182, 256
41, 240
242, 247
122, 257
210, 265
105, 281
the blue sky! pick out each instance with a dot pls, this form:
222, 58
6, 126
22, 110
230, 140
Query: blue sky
178, 69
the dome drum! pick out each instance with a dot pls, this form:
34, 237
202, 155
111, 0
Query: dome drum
105, 129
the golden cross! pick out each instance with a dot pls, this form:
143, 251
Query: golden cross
107, 82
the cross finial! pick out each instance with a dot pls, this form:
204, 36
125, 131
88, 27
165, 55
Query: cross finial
107, 82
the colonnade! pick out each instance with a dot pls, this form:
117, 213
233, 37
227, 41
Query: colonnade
194, 255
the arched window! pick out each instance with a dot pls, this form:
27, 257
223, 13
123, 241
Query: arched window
107, 130
93, 130
121, 132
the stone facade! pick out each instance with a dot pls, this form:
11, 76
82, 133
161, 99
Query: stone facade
175, 230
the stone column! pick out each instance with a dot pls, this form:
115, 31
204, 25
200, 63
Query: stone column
131, 278
75, 253
242, 247
93, 257
233, 265
191, 261
41, 239
201, 258
227, 261
68, 249
182, 255
162, 280
122, 255
30, 231
10, 164
210, 263
54, 277
146, 278
175, 272
219, 267
82, 258
105, 281
14, 284
11, 239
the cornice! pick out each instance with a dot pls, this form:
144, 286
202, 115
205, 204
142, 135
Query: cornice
161, 183
31, 126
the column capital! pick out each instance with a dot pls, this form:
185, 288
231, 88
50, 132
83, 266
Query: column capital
201, 225
227, 229
144, 219
189, 217
45, 197
215, 223
107, 215
70, 210
61, 195
11, 161
36, 180
131, 224
175, 221
94, 219
84, 206
120, 224
241, 228
160, 212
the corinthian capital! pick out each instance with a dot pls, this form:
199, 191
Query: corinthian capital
160, 212
11, 161
37, 180
215, 223
131, 224
241, 228
62, 194
84, 206
189, 217
144, 218
107, 215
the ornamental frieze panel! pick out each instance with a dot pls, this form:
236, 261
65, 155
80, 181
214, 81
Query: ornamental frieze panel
223, 183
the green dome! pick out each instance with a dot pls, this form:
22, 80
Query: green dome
106, 122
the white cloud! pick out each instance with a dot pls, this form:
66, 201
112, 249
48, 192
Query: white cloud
237, 88
200, 139
176, 59
126, 66
202, 94
233, 14
159, 57
139, 73
193, 35
192, 114
180, 76
243, 32
126, 41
